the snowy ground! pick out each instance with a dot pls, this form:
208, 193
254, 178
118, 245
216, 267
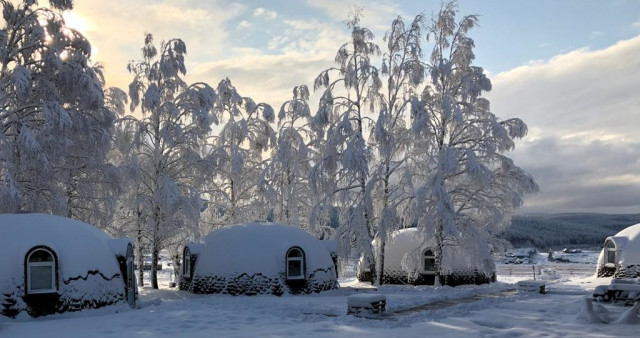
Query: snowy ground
451, 312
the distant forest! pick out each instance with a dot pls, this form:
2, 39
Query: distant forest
565, 230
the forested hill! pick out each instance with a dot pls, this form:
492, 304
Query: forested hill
560, 230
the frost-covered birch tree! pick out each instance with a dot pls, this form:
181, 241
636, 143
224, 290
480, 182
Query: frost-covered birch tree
341, 173
469, 186
403, 71
130, 219
54, 127
92, 183
286, 175
232, 193
176, 118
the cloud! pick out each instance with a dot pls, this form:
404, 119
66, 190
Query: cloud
117, 28
636, 24
595, 35
265, 78
296, 57
581, 108
580, 176
277, 42
166, 13
244, 24
376, 16
266, 13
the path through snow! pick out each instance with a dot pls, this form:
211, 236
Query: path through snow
168, 313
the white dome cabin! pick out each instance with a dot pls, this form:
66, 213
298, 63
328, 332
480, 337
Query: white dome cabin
411, 260
259, 258
620, 256
52, 264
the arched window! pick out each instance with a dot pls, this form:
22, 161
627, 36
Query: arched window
41, 271
429, 261
295, 264
610, 252
186, 263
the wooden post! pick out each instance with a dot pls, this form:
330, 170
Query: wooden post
534, 271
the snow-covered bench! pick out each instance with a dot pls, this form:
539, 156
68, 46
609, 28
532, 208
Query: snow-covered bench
536, 286
620, 290
366, 303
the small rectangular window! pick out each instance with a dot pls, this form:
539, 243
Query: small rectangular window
295, 268
429, 264
40, 278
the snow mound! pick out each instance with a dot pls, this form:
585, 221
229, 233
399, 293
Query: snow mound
627, 254
88, 273
596, 313
464, 263
251, 259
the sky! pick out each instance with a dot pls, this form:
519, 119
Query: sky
569, 69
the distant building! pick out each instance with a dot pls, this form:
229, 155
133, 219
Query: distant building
409, 259
259, 258
53, 264
620, 256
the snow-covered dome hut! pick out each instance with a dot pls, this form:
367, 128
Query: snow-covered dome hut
620, 256
259, 258
409, 259
53, 264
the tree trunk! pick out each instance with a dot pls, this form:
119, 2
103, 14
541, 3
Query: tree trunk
154, 267
438, 251
385, 205
372, 269
380, 275
140, 259
288, 205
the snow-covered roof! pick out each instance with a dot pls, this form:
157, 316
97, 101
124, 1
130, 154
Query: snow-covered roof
195, 248
331, 245
258, 248
631, 234
79, 247
119, 246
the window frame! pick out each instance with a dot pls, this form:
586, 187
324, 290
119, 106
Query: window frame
186, 262
129, 261
301, 259
54, 270
431, 256
610, 251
